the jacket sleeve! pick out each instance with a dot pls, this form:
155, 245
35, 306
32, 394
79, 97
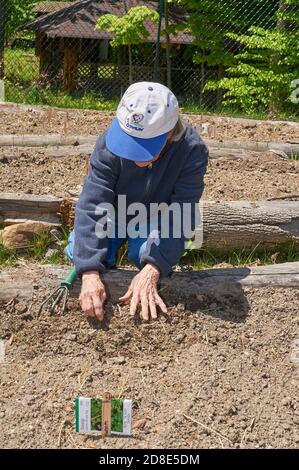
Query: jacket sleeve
99, 187
188, 189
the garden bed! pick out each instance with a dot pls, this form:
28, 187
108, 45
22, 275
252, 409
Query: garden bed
218, 371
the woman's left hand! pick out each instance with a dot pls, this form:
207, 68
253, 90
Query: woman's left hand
143, 290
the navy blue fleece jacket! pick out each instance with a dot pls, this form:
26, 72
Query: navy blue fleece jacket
178, 176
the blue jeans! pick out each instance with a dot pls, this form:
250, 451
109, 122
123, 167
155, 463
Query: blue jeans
136, 248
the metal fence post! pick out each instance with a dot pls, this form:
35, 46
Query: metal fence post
158, 45
2, 37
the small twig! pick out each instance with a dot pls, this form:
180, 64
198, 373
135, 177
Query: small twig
119, 309
251, 424
162, 326
207, 428
60, 433
162, 289
249, 428
71, 438
11, 301
122, 388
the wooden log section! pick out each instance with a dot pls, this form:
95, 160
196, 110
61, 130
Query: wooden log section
289, 149
244, 224
22, 282
227, 226
32, 140
18, 207
67, 151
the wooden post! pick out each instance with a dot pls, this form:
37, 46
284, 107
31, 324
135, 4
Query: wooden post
106, 414
70, 68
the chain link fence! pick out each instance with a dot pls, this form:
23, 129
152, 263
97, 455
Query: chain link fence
239, 54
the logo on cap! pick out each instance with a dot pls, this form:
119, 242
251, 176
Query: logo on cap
133, 122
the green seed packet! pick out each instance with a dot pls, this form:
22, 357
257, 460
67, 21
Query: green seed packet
89, 416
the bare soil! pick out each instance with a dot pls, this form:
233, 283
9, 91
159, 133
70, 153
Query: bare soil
39, 120
230, 363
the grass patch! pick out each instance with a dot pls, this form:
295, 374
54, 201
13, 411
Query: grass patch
47, 96
192, 259
21, 65
204, 259
7, 257
37, 250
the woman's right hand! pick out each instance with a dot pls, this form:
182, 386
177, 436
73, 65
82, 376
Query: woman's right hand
93, 295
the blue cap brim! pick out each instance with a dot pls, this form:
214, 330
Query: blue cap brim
133, 148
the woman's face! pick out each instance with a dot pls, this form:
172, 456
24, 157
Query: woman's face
150, 162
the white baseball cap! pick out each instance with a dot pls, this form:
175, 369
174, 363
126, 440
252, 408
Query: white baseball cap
145, 116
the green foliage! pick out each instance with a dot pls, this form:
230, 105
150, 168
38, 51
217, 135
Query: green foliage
261, 74
96, 414
117, 415
210, 21
129, 29
17, 13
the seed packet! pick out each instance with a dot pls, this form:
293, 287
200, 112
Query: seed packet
89, 416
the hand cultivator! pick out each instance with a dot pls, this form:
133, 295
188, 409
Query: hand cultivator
60, 295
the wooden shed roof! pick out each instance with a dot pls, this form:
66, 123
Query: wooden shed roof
78, 20
50, 7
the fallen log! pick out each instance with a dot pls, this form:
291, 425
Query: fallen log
67, 151
46, 140
18, 207
291, 150
55, 152
227, 226
31, 140
243, 224
63, 151
22, 282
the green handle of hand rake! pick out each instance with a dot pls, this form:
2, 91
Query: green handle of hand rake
70, 280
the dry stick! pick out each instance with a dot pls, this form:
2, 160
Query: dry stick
122, 388
249, 428
71, 438
60, 433
207, 428
11, 301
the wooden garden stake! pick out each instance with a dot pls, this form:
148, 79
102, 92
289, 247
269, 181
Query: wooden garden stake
106, 414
